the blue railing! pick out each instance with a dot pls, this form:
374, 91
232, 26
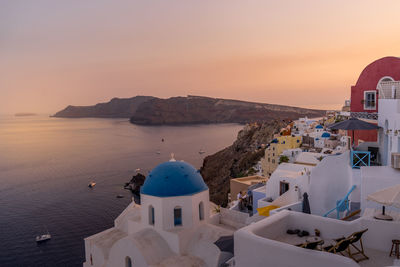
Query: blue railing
341, 205
359, 159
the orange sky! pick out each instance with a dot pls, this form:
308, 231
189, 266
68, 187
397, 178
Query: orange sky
302, 53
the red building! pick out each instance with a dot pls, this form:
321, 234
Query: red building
365, 93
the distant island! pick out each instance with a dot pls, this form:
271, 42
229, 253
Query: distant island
148, 110
24, 114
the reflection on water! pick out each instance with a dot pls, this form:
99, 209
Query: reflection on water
46, 164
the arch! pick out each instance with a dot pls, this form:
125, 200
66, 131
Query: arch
201, 211
384, 79
151, 215
177, 216
128, 261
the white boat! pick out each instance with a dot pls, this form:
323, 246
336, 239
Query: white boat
91, 184
41, 238
158, 152
201, 151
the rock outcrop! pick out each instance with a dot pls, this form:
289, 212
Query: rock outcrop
115, 108
238, 159
196, 109
147, 110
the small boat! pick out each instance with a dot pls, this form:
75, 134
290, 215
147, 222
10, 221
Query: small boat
91, 184
42, 238
120, 196
201, 151
158, 152
137, 170
162, 140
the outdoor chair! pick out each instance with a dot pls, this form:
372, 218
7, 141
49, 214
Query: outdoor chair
339, 247
357, 237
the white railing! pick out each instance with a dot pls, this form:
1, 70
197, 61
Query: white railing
389, 90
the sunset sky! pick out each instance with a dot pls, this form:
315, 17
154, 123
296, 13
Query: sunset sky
301, 53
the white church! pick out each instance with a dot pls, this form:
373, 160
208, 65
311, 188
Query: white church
171, 227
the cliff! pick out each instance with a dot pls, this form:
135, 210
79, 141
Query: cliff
238, 159
196, 109
115, 108
147, 110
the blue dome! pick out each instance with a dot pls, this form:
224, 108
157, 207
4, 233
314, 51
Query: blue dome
319, 126
173, 178
326, 135
274, 141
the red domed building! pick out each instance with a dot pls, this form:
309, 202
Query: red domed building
365, 93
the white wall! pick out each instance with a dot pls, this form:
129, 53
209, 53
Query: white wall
164, 210
289, 173
375, 178
389, 118
330, 181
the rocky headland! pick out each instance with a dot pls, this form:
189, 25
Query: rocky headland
147, 110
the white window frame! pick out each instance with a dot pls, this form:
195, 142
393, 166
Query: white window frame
365, 100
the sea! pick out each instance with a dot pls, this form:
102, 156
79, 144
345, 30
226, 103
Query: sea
47, 163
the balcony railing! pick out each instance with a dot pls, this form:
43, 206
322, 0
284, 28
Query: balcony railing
389, 90
359, 159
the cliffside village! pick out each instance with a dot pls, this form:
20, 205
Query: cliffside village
326, 193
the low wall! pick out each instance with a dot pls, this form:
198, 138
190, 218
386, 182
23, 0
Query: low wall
297, 206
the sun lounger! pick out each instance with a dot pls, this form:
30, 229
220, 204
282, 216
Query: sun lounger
357, 237
339, 247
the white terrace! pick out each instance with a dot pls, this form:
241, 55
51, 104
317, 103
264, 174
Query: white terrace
266, 242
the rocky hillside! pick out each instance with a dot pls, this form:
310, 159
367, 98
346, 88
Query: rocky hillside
238, 159
116, 108
147, 110
195, 109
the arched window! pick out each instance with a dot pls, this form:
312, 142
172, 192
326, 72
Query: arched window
151, 215
177, 216
128, 261
201, 211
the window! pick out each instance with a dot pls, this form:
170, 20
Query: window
177, 216
283, 187
151, 215
370, 100
201, 211
273, 161
128, 261
273, 148
269, 160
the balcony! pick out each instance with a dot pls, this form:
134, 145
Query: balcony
389, 90
359, 159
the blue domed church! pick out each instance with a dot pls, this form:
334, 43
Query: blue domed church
171, 227
174, 196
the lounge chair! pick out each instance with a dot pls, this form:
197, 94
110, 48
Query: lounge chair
339, 247
357, 237
311, 245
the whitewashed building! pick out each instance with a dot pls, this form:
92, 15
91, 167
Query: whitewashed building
171, 227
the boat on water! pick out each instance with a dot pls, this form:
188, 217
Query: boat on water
120, 196
42, 238
158, 152
91, 184
201, 151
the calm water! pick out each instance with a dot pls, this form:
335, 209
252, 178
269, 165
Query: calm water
46, 164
